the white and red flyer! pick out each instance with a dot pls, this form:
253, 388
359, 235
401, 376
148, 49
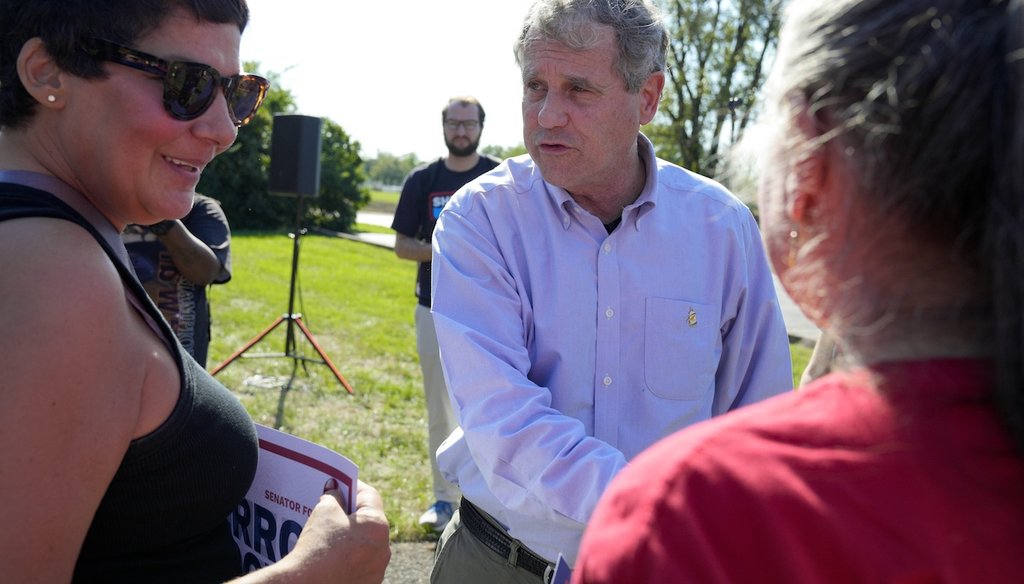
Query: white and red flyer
290, 479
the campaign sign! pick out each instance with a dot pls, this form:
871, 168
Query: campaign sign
290, 479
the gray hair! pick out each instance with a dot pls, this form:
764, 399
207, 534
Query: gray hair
925, 101
916, 92
638, 26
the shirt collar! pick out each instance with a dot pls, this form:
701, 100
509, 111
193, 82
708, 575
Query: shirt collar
643, 204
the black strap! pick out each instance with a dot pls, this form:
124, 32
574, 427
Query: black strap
19, 202
502, 543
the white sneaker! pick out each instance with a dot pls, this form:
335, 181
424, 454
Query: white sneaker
437, 516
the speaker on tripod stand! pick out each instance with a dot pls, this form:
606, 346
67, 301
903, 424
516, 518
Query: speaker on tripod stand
294, 172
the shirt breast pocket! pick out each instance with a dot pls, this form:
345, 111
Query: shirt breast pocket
680, 344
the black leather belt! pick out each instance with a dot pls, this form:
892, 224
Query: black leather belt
501, 543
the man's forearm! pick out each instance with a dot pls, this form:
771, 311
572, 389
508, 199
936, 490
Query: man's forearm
193, 258
410, 248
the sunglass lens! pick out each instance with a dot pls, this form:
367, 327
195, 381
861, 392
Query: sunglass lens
245, 97
189, 89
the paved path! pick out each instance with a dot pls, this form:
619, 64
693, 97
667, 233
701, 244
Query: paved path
410, 563
796, 323
377, 219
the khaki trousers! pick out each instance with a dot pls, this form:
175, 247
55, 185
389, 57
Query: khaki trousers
441, 420
461, 558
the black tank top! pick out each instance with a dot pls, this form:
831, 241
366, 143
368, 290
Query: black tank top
164, 517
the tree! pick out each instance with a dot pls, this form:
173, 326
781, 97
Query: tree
503, 152
390, 170
716, 61
238, 177
341, 180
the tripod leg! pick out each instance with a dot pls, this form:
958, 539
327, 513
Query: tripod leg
337, 374
247, 346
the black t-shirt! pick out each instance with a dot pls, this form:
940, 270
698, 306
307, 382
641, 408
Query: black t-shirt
184, 304
424, 195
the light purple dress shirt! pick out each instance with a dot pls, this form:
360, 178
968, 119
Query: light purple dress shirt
568, 350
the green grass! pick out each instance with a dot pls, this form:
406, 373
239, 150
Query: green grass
357, 300
366, 228
801, 354
382, 201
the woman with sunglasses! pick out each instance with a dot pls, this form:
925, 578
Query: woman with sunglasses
892, 207
120, 457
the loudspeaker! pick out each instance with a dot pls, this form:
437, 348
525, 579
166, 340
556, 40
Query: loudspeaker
295, 144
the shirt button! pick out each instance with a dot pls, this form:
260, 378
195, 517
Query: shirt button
607, 380
609, 313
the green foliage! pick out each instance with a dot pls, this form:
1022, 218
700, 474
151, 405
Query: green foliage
390, 170
238, 178
341, 180
716, 63
502, 152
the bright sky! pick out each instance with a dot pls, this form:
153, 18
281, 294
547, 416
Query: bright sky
384, 69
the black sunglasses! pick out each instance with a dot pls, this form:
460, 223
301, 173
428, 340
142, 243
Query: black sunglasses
189, 88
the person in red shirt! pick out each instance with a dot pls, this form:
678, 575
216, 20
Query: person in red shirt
892, 206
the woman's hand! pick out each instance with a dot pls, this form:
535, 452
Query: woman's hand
334, 546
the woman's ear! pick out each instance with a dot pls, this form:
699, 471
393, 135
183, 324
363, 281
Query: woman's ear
808, 186
42, 78
809, 175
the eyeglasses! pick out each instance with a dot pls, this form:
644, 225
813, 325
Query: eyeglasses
189, 88
468, 125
